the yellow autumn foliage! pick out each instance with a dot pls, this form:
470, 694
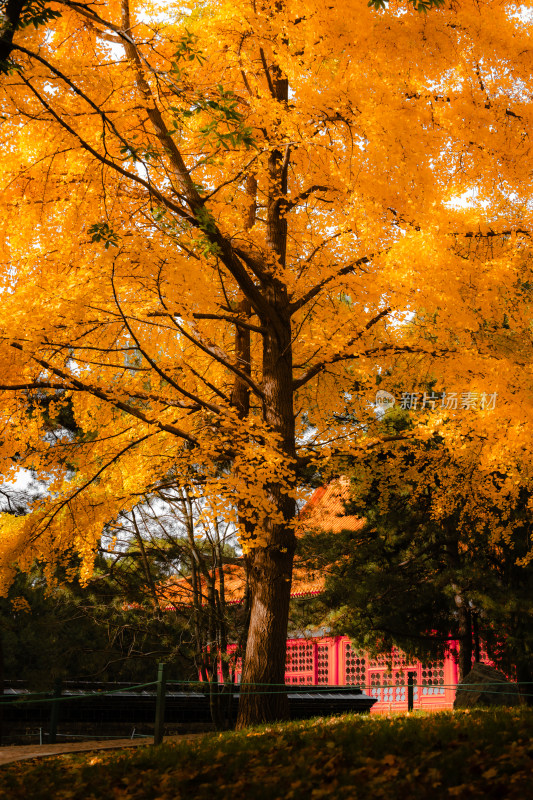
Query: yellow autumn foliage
221, 222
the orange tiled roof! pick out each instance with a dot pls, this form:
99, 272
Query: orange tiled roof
179, 591
323, 512
325, 509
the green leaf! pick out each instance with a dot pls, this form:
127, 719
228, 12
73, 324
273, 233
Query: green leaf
102, 232
36, 13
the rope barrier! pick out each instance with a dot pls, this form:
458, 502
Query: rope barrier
395, 693
203, 688
90, 737
313, 689
25, 701
344, 689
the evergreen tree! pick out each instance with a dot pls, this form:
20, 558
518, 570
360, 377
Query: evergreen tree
430, 567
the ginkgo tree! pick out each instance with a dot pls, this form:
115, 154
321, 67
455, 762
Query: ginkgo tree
221, 224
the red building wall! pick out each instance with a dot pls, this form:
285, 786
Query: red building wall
333, 661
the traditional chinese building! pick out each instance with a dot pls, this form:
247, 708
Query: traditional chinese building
333, 660
319, 659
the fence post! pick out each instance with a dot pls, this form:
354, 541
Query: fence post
54, 712
160, 703
410, 690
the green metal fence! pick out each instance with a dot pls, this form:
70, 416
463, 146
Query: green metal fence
156, 694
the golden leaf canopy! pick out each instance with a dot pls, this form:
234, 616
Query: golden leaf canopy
224, 223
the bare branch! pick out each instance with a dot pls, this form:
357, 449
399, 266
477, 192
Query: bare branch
17, 387
219, 355
239, 323
209, 385
254, 261
36, 385
489, 234
267, 73
236, 177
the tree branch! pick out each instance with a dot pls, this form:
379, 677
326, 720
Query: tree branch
109, 163
80, 489
490, 234
295, 306
219, 355
287, 205
101, 113
319, 367
188, 187
267, 73
154, 365
80, 386
239, 323
191, 195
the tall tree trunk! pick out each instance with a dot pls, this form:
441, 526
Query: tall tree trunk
11, 13
263, 697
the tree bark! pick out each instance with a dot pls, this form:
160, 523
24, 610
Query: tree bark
263, 696
8, 26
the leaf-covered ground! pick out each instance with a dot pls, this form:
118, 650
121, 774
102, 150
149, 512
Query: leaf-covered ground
481, 754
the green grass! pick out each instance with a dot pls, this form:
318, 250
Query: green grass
481, 754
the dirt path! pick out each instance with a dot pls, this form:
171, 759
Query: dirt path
26, 751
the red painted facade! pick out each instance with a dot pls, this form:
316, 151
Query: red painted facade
333, 661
